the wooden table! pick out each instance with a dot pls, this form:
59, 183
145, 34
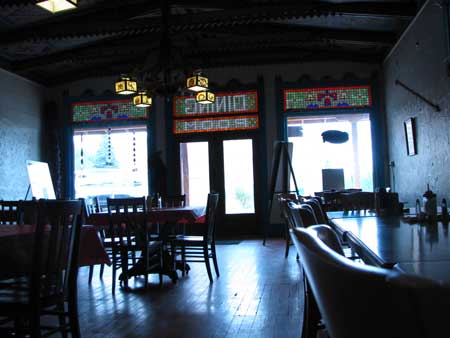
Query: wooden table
420, 248
161, 216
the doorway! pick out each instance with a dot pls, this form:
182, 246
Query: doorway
225, 165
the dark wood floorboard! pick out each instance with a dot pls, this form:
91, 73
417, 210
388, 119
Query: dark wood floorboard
258, 294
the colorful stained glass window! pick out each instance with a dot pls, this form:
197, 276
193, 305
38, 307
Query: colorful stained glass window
225, 103
107, 111
215, 124
327, 98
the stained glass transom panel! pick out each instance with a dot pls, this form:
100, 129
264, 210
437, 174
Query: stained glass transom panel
327, 98
225, 103
215, 124
107, 111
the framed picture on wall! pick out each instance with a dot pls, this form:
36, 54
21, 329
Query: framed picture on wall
410, 137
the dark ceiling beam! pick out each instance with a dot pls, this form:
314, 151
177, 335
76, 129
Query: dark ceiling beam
254, 56
104, 48
259, 32
99, 21
80, 22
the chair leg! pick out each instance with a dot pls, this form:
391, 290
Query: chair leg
73, 317
35, 325
102, 268
62, 319
183, 260
208, 266
214, 257
91, 273
161, 267
286, 236
114, 269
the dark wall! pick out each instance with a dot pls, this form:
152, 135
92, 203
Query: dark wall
420, 61
21, 103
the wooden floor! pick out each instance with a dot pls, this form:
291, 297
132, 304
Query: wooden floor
258, 294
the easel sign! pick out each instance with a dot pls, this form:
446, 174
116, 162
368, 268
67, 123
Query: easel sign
40, 180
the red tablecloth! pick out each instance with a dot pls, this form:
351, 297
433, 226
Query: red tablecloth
188, 215
16, 243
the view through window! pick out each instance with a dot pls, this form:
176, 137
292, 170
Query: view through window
311, 154
110, 162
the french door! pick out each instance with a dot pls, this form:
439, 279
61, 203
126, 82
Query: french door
226, 165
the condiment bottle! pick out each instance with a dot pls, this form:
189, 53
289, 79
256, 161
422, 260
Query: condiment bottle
429, 203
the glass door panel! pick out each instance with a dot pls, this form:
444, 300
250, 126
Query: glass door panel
238, 176
194, 172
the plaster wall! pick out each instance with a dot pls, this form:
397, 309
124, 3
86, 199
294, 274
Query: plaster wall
21, 105
420, 61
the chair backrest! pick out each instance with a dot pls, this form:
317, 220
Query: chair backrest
355, 300
28, 212
56, 249
360, 200
171, 201
9, 212
127, 221
327, 235
319, 213
211, 213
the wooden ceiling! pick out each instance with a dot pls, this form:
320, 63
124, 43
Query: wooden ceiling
112, 37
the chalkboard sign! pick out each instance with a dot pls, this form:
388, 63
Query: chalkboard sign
40, 180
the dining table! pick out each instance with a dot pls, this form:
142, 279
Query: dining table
398, 242
16, 245
165, 218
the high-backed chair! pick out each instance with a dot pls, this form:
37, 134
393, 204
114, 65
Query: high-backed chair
128, 236
50, 285
356, 300
319, 213
172, 201
358, 201
201, 248
91, 206
283, 200
9, 212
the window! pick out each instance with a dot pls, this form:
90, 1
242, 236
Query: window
311, 154
110, 162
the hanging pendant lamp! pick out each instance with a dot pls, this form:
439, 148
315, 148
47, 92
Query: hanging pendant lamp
197, 82
125, 86
142, 99
55, 6
205, 97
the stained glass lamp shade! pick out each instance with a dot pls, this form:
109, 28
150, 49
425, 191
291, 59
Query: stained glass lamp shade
125, 86
205, 97
142, 100
197, 83
55, 6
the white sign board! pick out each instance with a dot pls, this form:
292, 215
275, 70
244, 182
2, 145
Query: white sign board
40, 180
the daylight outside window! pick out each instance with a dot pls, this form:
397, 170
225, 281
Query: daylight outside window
311, 154
110, 162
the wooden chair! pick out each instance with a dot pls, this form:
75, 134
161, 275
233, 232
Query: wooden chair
129, 236
356, 300
358, 201
9, 212
28, 212
50, 286
316, 205
91, 205
283, 200
200, 248
171, 201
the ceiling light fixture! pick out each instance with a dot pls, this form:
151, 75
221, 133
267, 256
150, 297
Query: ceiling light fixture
205, 97
125, 85
197, 82
142, 99
55, 6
